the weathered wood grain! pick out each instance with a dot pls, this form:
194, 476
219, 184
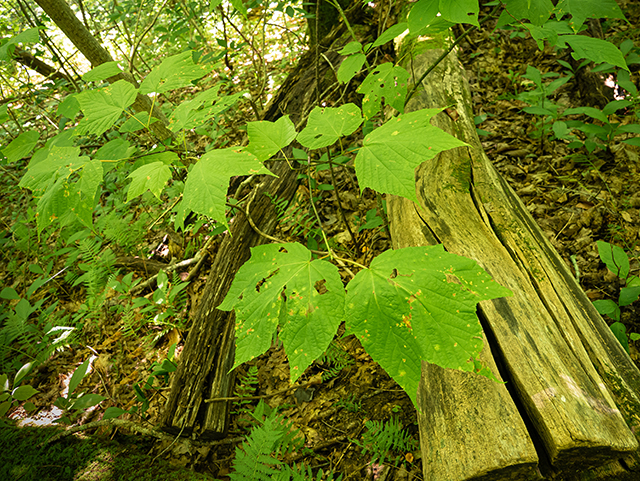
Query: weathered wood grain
574, 385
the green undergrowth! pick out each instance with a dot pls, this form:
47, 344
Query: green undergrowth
81, 458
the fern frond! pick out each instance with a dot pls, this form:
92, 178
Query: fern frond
382, 439
246, 386
14, 328
257, 457
122, 231
337, 359
255, 460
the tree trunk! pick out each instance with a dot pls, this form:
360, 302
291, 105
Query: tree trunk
74, 29
571, 390
208, 355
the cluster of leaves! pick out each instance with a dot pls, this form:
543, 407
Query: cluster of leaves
404, 309
73, 404
617, 261
30, 329
561, 123
410, 305
12, 395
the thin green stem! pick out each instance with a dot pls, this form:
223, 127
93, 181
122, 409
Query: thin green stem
337, 191
315, 211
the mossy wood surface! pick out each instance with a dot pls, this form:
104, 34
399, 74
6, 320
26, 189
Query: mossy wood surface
571, 381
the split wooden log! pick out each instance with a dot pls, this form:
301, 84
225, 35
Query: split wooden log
571, 390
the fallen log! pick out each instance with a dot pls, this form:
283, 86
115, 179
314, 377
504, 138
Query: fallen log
571, 390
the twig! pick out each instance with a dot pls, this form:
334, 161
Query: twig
138, 41
253, 224
263, 396
197, 259
339, 260
201, 256
175, 439
337, 191
131, 426
164, 213
121, 423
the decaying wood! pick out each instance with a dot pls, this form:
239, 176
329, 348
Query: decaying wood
204, 364
571, 389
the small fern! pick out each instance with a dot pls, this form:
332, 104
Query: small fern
97, 266
122, 231
336, 359
257, 457
24, 338
381, 439
246, 387
293, 219
351, 404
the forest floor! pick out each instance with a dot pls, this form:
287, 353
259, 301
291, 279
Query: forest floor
576, 198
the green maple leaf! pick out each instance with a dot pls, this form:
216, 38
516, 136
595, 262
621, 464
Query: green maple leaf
422, 14
460, 11
419, 303
54, 203
537, 11
281, 285
267, 138
350, 66
580, 10
56, 161
31, 35
192, 113
389, 34
594, 49
173, 73
326, 125
385, 81
114, 151
103, 107
151, 177
205, 190
67, 181
390, 154
102, 72
85, 190
21, 146
139, 121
